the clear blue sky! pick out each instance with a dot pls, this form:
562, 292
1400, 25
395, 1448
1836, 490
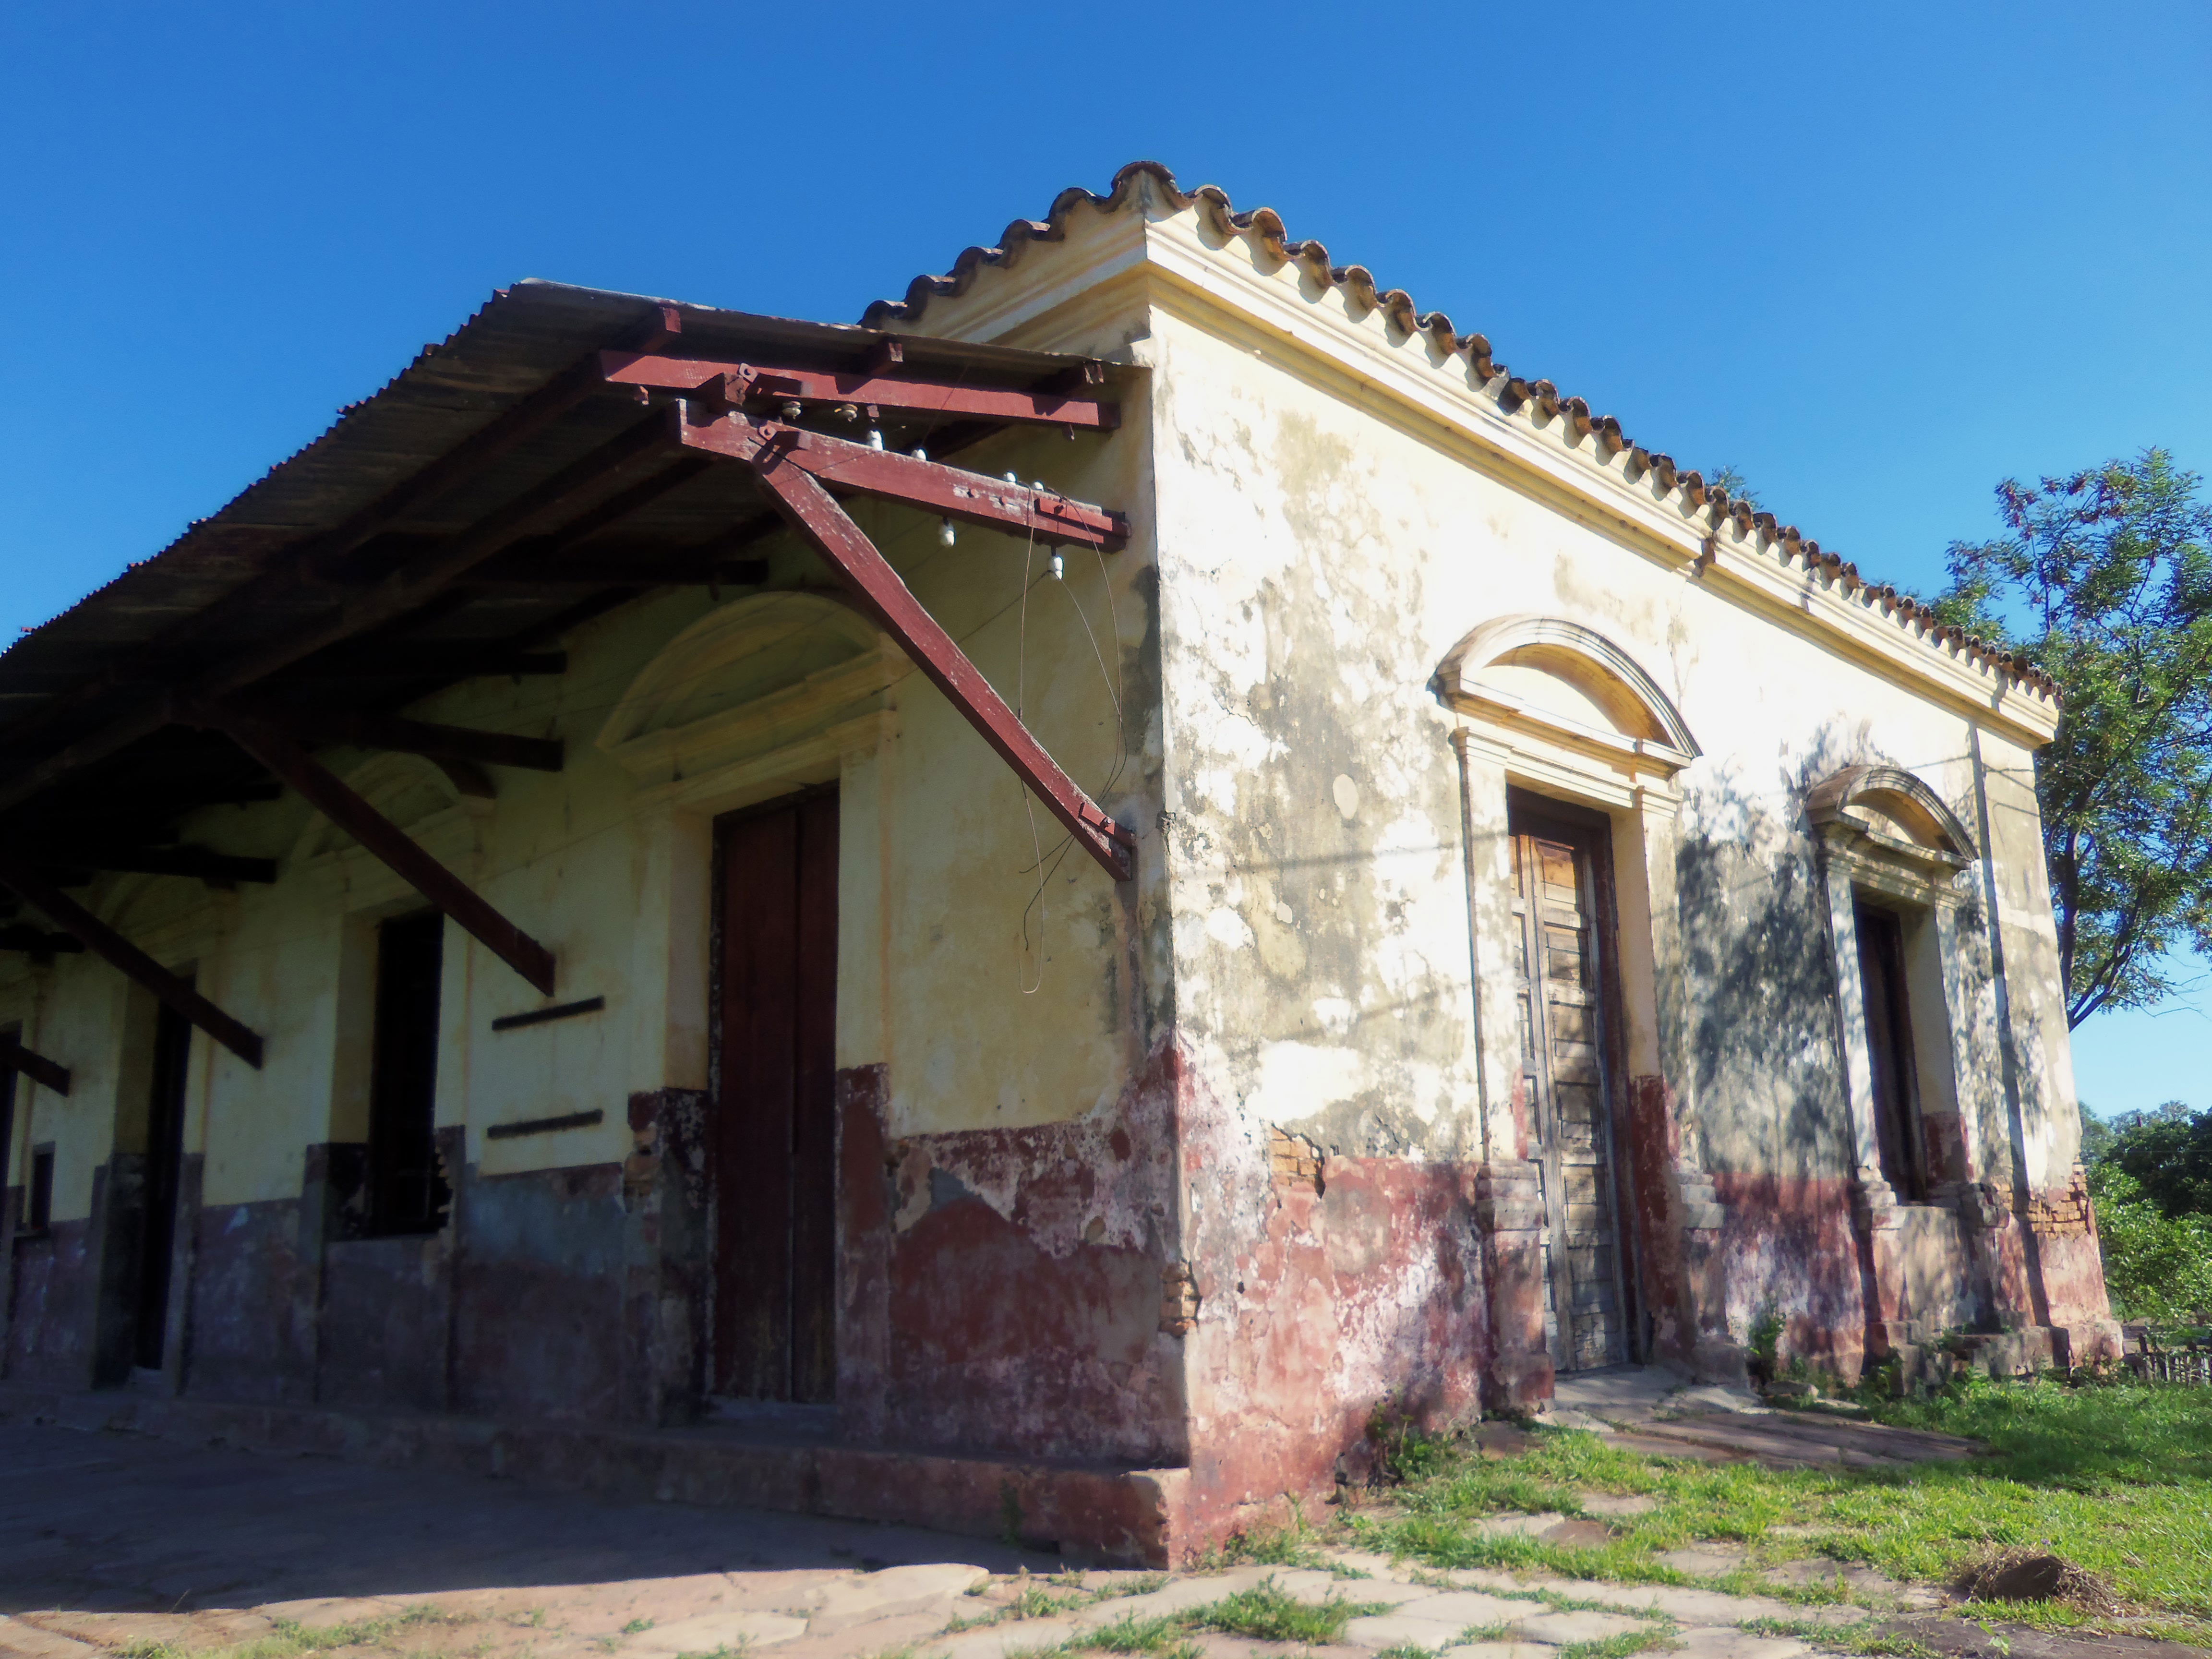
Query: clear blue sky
1877, 257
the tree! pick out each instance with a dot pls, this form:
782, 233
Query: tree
2169, 1154
1738, 486
2103, 580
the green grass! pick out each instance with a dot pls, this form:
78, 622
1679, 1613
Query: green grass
1267, 1612
2116, 1478
290, 1639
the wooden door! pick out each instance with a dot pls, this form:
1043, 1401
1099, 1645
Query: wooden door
775, 1133
1561, 1007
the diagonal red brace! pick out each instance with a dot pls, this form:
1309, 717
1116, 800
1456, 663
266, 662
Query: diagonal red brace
97, 937
878, 593
329, 795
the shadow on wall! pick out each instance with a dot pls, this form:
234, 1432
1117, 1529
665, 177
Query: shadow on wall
1766, 1067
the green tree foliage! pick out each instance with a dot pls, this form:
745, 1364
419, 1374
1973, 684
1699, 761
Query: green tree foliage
2151, 1175
2169, 1154
2105, 580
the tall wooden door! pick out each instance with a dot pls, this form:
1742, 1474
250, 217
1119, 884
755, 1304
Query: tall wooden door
1561, 1008
775, 1132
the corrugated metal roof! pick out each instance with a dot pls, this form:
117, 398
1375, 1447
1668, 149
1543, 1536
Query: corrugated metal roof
109, 651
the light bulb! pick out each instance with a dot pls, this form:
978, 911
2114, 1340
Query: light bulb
945, 533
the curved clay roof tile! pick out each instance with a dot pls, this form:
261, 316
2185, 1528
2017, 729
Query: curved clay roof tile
1266, 224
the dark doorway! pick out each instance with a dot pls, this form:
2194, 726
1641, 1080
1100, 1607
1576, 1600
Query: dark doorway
1561, 870
407, 1191
1889, 1046
776, 1006
165, 1159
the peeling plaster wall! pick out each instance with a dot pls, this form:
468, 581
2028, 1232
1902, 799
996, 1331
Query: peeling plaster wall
991, 998
1321, 550
1067, 1225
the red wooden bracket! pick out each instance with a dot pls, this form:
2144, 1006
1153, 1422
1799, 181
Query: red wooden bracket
951, 492
880, 595
734, 382
329, 796
15, 1057
101, 940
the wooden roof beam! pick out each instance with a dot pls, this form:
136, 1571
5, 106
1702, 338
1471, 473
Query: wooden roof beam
950, 492
767, 385
104, 942
315, 563
20, 936
654, 569
634, 466
405, 736
13, 1056
329, 796
201, 861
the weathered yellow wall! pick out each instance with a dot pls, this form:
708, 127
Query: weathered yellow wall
1338, 506
610, 871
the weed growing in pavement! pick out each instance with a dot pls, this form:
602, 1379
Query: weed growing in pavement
1268, 1612
1865, 1638
290, 1638
1616, 1647
2116, 1477
637, 1627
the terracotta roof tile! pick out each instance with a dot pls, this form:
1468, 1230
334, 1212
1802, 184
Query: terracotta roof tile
1513, 394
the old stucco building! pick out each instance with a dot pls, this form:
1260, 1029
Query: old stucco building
540, 978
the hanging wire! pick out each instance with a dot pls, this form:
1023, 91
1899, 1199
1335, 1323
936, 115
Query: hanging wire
1029, 806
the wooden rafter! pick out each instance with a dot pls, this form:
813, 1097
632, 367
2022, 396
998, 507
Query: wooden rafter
104, 942
330, 796
737, 383
951, 492
201, 861
36, 1067
19, 936
314, 561
405, 736
636, 464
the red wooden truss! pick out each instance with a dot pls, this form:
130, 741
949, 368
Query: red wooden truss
716, 414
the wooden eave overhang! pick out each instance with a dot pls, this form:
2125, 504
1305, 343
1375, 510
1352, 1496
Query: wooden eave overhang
565, 451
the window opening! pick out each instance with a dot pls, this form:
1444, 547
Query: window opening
165, 1148
407, 1191
1898, 1135
40, 1198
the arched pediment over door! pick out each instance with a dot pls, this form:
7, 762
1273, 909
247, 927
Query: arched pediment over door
749, 679
1568, 704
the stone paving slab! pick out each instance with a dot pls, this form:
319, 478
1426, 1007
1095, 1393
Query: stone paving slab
1465, 1607
710, 1631
1713, 1643
931, 1587
1500, 1650
22, 1641
1179, 1596
1614, 1504
1393, 1630
1563, 1628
